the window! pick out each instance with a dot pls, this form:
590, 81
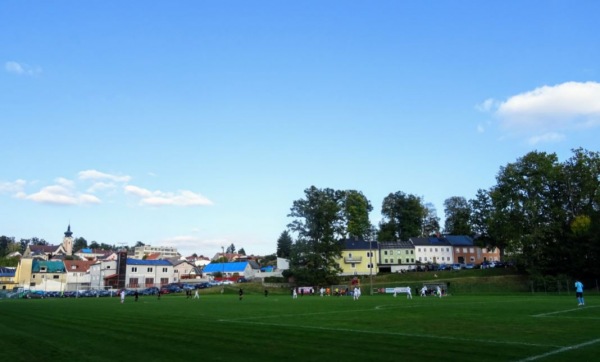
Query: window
43, 269
419, 250
471, 250
412, 252
391, 261
353, 265
133, 282
164, 270
385, 252
149, 270
134, 269
407, 261
149, 282
436, 250
55, 277
164, 281
176, 271
350, 255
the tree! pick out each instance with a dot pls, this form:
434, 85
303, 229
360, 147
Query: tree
284, 245
356, 210
431, 222
319, 226
5, 244
230, 249
458, 216
528, 211
403, 217
242, 251
139, 244
79, 243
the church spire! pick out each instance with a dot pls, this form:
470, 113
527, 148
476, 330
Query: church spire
68, 233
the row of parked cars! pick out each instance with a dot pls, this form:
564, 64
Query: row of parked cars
484, 265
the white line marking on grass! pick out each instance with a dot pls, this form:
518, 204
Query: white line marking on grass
562, 311
470, 340
560, 350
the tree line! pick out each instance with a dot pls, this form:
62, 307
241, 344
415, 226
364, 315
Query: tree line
544, 216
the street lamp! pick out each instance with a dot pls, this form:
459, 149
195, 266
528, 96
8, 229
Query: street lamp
371, 265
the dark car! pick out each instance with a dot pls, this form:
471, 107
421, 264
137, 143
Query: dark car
203, 285
150, 291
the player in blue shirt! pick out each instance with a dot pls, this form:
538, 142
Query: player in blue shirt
579, 292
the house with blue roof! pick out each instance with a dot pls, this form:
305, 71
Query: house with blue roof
7, 278
432, 250
359, 257
148, 273
246, 269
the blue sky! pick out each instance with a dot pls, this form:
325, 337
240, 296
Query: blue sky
196, 124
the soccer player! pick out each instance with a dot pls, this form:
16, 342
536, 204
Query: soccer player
579, 292
408, 293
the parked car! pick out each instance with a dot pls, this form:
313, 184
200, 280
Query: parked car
228, 282
150, 291
203, 285
469, 266
188, 287
242, 280
456, 266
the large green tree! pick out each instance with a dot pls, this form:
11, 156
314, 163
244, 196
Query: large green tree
458, 216
319, 226
356, 210
79, 243
403, 217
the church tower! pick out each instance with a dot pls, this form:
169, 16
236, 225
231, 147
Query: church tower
68, 241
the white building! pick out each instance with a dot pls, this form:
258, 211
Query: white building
166, 252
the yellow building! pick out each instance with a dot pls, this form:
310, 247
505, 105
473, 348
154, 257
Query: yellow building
43, 275
7, 278
359, 257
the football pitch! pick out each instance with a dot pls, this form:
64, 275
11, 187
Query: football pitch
216, 327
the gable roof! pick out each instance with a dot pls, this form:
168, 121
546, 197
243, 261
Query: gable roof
147, 262
430, 241
7, 272
396, 245
77, 266
459, 240
45, 249
235, 267
354, 244
51, 266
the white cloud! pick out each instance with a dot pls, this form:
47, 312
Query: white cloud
487, 105
62, 193
21, 68
159, 198
546, 113
97, 175
12, 187
546, 138
101, 186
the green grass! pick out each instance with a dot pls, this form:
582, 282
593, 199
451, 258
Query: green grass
518, 327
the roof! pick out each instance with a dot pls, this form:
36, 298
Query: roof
354, 244
235, 267
77, 265
51, 266
7, 272
396, 245
147, 262
459, 240
430, 241
43, 248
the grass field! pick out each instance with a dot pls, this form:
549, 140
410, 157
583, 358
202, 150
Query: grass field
519, 327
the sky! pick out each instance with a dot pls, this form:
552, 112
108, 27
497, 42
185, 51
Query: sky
197, 124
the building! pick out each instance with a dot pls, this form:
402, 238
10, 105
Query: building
396, 256
246, 269
432, 250
183, 269
37, 274
166, 252
101, 272
148, 273
7, 278
78, 274
359, 257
